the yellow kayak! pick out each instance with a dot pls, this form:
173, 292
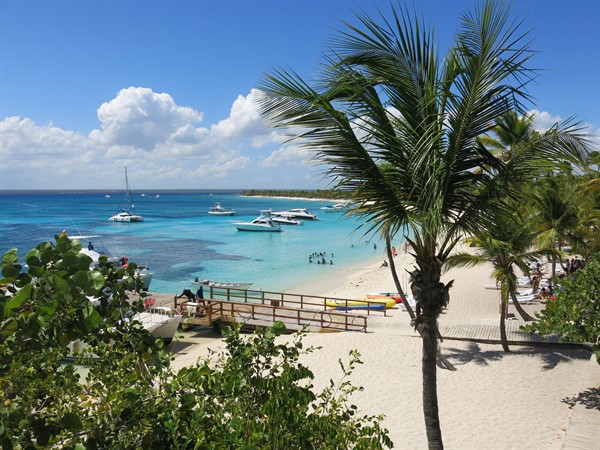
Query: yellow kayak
361, 304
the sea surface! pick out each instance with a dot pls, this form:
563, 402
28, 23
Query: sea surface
179, 241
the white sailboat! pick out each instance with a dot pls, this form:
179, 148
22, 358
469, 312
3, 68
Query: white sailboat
124, 215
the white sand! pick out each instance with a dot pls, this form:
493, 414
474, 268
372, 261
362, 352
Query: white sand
494, 400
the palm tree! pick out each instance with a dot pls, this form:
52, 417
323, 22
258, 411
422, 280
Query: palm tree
555, 211
505, 245
398, 126
510, 130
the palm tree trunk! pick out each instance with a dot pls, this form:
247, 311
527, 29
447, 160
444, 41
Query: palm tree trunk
503, 314
524, 315
430, 401
447, 364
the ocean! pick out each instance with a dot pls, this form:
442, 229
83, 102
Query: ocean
179, 241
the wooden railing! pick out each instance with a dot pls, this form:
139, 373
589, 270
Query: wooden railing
291, 300
229, 311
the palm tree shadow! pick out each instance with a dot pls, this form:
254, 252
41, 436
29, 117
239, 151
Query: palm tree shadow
551, 357
589, 398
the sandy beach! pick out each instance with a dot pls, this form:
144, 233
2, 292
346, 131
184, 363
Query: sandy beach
494, 400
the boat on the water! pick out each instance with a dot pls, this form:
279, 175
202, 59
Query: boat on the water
218, 210
263, 222
223, 284
361, 304
124, 214
296, 213
286, 220
336, 207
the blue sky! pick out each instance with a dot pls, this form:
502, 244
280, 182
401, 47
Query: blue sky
166, 87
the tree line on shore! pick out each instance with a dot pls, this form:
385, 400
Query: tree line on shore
328, 194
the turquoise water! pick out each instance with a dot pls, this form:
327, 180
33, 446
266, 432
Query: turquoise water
179, 241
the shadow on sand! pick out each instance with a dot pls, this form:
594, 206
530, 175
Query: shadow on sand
551, 357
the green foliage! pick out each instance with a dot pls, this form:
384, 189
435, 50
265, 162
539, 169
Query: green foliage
575, 312
316, 193
254, 395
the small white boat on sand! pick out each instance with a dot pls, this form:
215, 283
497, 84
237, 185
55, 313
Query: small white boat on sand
218, 210
263, 222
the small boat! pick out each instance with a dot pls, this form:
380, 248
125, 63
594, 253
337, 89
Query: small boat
161, 321
386, 295
362, 304
263, 222
218, 210
223, 284
336, 207
286, 220
123, 215
339, 305
296, 213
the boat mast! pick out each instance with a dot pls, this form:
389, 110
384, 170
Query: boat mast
129, 197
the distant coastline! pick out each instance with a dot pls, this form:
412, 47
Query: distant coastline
305, 194
315, 194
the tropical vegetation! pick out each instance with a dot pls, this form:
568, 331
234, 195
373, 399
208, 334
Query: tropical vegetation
399, 124
574, 314
121, 391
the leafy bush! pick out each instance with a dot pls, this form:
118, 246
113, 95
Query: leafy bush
575, 311
255, 394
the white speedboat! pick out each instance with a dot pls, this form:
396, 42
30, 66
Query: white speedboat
161, 321
263, 222
286, 220
296, 213
123, 215
336, 208
218, 210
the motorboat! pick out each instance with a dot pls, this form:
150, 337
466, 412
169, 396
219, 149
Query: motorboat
286, 220
218, 210
296, 213
124, 214
336, 207
263, 222
223, 284
161, 321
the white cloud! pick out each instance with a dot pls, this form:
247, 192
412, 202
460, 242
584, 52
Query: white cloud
142, 118
287, 156
543, 121
162, 144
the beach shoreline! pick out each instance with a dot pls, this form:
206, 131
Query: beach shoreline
521, 399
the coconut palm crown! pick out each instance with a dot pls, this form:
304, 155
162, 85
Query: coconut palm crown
397, 123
